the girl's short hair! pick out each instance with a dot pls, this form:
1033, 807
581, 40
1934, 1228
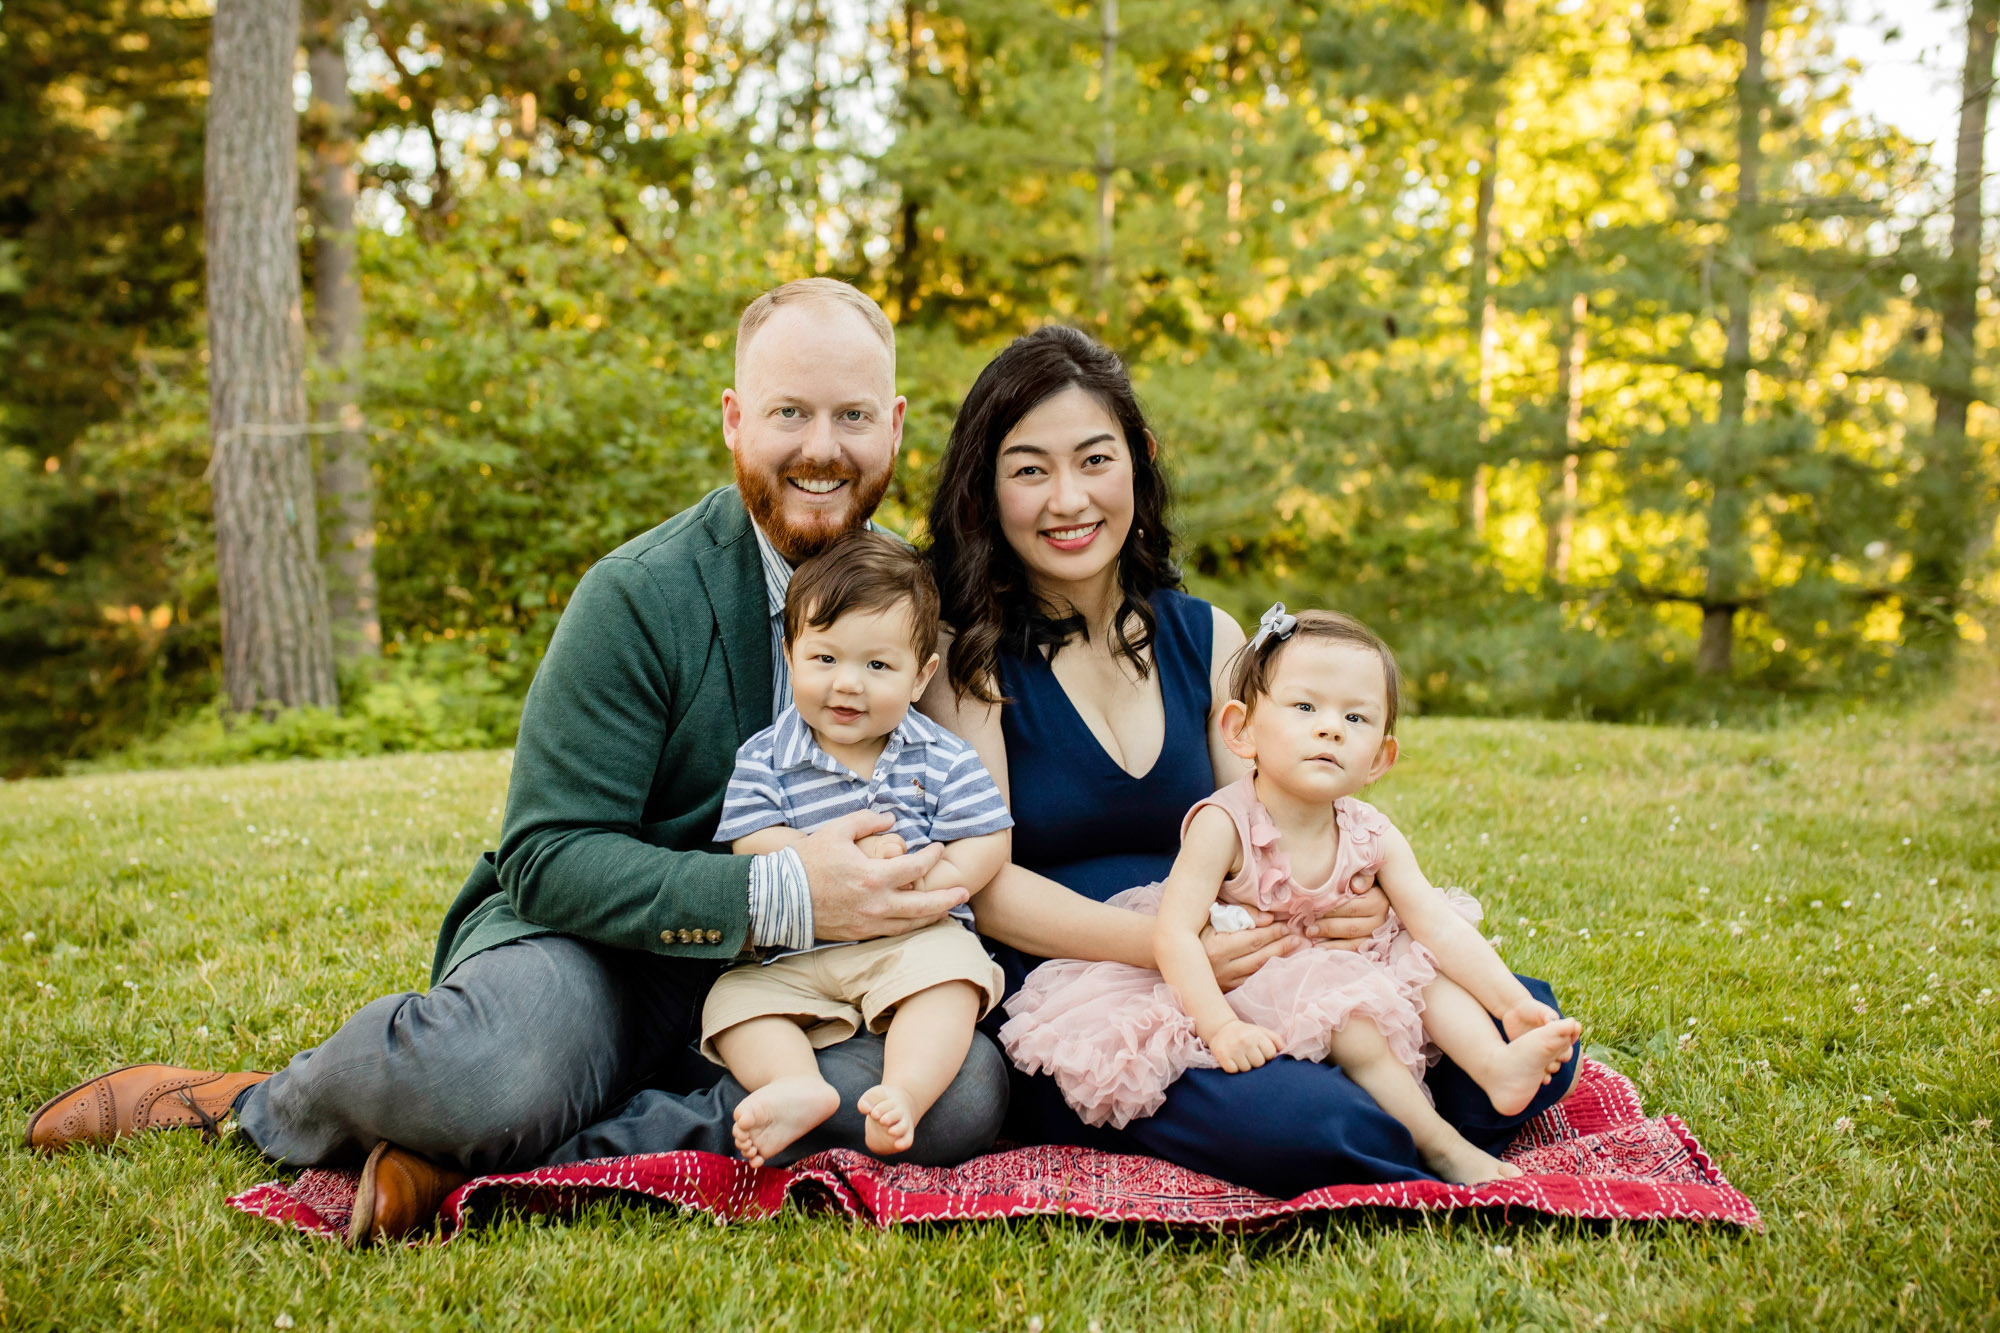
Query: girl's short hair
864, 571
1255, 665
987, 600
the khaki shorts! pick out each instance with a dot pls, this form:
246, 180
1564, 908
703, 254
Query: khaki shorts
831, 993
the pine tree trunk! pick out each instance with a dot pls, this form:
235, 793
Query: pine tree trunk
1947, 488
1107, 163
909, 240
1479, 289
276, 650
346, 485
1480, 298
1727, 557
1560, 525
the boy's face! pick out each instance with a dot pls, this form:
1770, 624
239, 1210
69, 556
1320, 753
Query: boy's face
853, 680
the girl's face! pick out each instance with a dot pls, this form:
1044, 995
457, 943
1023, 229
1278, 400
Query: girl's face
1063, 482
1318, 733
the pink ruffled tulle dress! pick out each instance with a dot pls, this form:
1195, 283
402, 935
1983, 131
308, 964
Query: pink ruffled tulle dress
1114, 1036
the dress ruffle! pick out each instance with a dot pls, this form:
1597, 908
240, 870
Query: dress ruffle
1114, 1037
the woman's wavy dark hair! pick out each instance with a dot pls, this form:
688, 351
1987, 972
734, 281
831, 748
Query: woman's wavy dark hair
987, 600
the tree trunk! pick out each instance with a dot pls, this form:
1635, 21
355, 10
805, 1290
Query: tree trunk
1727, 557
346, 485
1481, 285
1107, 162
1560, 526
276, 650
1480, 299
909, 240
1947, 488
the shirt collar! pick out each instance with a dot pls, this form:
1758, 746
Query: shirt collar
777, 573
793, 744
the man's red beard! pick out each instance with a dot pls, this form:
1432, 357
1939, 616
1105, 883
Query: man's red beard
764, 496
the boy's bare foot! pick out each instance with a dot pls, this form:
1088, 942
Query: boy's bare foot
1462, 1164
892, 1119
1519, 1069
772, 1118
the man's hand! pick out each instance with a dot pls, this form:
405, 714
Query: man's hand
1351, 923
859, 897
1233, 955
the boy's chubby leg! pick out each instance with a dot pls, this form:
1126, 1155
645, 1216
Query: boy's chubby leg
772, 1058
926, 1043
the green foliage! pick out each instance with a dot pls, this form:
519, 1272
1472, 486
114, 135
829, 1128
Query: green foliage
440, 696
1288, 268
1705, 901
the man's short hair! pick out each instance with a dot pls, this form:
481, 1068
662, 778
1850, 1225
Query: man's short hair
864, 571
813, 291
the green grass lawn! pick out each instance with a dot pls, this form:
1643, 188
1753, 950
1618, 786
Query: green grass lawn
1787, 937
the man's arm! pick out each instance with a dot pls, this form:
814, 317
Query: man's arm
593, 736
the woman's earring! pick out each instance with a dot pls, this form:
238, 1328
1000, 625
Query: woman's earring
1142, 534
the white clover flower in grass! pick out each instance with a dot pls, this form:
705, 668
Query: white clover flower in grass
1842, 1125
1507, 1251
27, 937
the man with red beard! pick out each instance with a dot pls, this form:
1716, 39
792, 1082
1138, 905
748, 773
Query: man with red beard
570, 972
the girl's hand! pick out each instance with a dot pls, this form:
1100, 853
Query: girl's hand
1242, 1046
1234, 955
1352, 922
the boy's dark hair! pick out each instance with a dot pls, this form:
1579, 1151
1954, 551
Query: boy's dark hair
1250, 674
864, 571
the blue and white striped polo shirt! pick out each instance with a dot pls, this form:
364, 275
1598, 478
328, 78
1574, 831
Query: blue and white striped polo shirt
931, 782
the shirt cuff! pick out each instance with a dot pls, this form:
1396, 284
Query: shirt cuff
781, 913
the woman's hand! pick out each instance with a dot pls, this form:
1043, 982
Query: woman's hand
1242, 1046
1349, 924
1233, 955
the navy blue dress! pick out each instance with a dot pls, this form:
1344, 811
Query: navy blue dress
1085, 822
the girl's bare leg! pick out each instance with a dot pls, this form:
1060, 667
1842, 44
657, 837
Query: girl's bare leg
1364, 1056
926, 1043
773, 1060
1510, 1073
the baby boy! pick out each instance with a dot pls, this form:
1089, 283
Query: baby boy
861, 634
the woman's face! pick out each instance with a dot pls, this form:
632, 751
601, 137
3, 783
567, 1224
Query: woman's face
1063, 480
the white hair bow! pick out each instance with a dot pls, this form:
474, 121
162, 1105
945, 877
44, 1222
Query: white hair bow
1274, 622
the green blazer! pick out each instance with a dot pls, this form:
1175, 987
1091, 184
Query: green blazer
659, 669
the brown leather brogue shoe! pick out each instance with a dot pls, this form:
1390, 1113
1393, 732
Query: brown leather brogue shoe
400, 1194
137, 1097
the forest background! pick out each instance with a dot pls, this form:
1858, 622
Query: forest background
1596, 351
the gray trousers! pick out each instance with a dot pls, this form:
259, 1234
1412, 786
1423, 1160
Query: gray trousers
551, 1050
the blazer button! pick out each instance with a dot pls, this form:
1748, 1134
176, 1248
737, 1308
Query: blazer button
715, 937
666, 937
687, 937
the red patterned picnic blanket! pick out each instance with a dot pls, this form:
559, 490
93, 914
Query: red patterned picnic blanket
1595, 1155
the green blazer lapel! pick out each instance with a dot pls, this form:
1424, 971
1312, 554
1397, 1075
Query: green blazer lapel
732, 574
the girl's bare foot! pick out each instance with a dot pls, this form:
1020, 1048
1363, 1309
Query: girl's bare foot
1462, 1164
772, 1118
1518, 1070
892, 1119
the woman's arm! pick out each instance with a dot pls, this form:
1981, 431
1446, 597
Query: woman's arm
1228, 642
1462, 952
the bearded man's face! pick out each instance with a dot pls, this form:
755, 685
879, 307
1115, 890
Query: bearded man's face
813, 423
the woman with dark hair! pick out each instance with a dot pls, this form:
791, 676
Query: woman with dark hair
1090, 684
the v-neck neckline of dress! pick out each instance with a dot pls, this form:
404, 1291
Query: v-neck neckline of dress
1096, 742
